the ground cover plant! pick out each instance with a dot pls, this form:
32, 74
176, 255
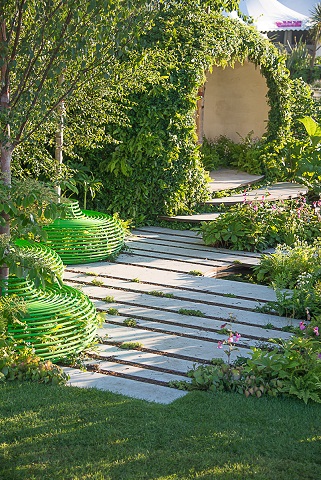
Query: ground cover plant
291, 368
295, 274
255, 226
90, 434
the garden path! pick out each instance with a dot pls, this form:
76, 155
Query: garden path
227, 179
169, 284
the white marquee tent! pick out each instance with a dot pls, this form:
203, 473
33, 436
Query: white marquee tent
302, 6
273, 16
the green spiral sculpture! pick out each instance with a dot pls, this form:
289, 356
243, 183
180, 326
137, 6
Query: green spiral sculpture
41, 251
84, 236
59, 320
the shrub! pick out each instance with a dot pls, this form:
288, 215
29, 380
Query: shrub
23, 365
258, 225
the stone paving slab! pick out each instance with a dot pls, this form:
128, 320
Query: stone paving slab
183, 241
169, 264
228, 179
191, 348
201, 255
196, 218
135, 371
147, 288
171, 341
193, 329
174, 305
165, 362
169, 278
123, 386
278, 191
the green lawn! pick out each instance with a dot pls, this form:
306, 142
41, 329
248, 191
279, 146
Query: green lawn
68, 433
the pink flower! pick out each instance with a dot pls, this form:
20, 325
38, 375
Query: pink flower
302, 326
319, 356
223, 325
220, 344
230, 339
255, 208
237, 336
316, 331
263, 198
274, 207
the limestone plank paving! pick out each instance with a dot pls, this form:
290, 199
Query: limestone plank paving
228, 179
151, 291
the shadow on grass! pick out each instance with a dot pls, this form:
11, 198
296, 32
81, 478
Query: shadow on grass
68, 433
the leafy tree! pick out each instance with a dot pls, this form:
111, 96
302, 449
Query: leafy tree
42, 41
315, 31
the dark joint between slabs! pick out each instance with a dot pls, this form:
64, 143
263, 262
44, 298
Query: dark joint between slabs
126, 375
195, 246
179, 334
137, 251
219, 268
111, 358
208, 317
187, 289
162, 353
176, 297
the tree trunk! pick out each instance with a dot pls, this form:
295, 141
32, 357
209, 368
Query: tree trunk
6, 149
60, 136
6, 156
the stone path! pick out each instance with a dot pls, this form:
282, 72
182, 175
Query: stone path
227, 179
176, 316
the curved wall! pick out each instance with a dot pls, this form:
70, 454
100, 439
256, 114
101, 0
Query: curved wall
235, 100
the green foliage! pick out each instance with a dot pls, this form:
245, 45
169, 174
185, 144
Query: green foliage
196, 273
223, 152
258, 225
29, 204
284, 267
209, 156
108, 299
296, 268
130, 322
292, 368
153, 165
21, 364
157, 293
12, 310
112, 311
131, 345
98, 283
195, 313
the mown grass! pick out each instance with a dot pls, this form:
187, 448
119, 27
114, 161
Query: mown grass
67, 433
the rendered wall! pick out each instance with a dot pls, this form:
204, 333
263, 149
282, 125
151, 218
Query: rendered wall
234, 101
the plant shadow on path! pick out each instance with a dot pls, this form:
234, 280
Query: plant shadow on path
68, 433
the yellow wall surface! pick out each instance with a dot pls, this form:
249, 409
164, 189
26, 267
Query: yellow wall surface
234, 101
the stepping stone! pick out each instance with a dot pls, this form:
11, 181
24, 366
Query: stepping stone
124, 386
278, 191
227, 179
156, 279
201, 217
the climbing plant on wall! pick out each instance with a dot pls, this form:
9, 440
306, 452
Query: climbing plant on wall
153, 166
150, 165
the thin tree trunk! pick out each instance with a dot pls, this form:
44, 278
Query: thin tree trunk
60, 136
6, 149
6, 156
